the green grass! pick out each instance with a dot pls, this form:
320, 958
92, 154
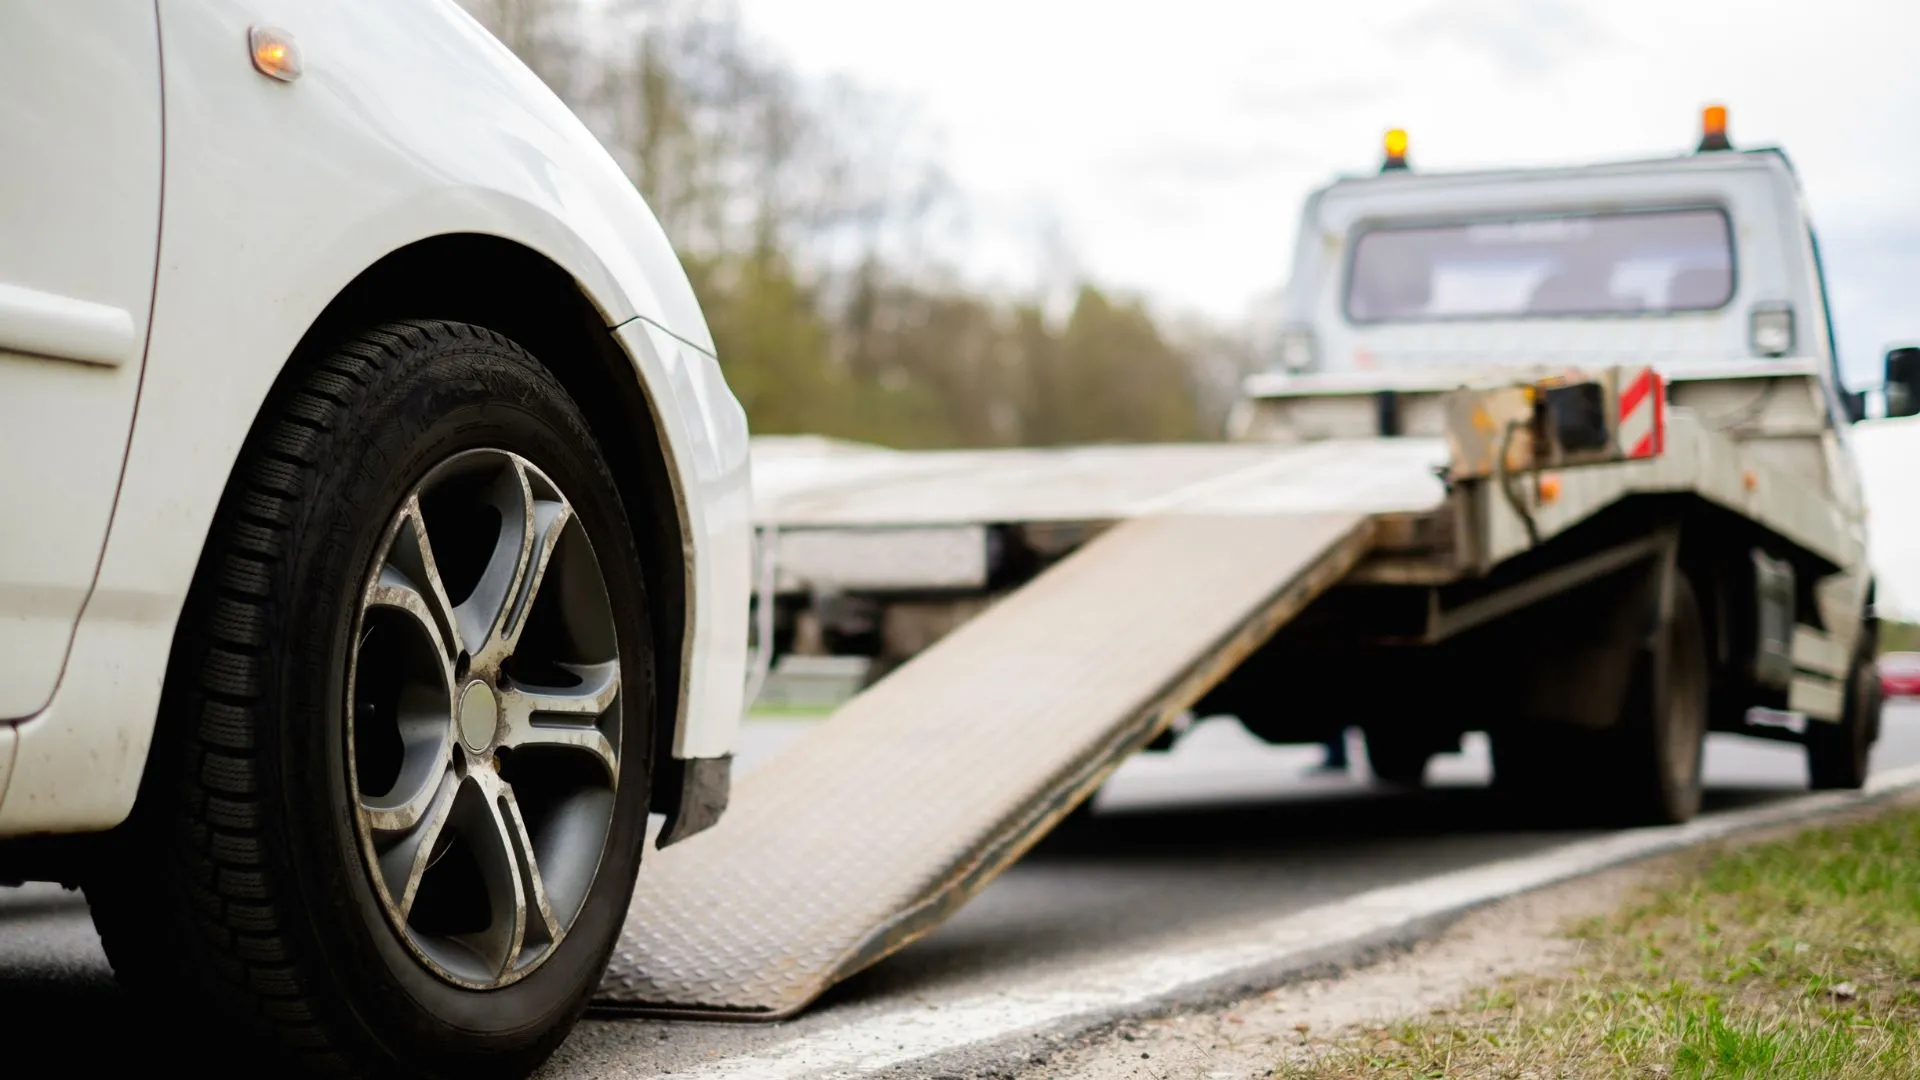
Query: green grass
1899, 636
1793, 959
790, 712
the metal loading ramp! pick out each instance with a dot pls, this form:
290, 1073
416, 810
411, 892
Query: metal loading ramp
880, 824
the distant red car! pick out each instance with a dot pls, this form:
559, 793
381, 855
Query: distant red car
1900, 674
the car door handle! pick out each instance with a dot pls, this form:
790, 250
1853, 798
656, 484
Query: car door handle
64, 328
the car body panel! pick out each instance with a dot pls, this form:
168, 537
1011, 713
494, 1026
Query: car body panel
409, 121
713, 458
77, 240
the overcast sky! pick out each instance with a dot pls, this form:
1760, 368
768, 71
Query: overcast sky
1171, 143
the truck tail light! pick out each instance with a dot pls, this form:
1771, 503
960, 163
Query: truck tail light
1770, 330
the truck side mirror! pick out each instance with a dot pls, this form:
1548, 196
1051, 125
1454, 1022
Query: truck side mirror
1855, 403
1903, 381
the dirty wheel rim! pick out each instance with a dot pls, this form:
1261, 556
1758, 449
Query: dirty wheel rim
483, 719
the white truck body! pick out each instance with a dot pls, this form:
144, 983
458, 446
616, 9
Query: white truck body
1779, 403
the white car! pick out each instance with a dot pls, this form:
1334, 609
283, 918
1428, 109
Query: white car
375, 545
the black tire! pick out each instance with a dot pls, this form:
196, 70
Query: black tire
1397, 759
1650, 764
1838, 755
1536, 765
237, 901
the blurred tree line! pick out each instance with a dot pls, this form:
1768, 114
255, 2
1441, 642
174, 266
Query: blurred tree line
1898, 636
805, 212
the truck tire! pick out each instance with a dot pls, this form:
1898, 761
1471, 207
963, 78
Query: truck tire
1838, 754
1651, 760
1399, 759
1533, 763
353, 853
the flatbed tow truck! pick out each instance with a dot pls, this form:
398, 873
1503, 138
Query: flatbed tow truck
1560, 455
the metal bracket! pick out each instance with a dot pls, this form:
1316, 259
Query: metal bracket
1447, 622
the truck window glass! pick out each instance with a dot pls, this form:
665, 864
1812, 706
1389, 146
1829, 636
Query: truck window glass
1621, 263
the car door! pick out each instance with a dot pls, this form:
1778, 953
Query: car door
80, 142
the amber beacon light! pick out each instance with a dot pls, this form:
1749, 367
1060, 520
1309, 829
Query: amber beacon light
1713, 128
1396, 158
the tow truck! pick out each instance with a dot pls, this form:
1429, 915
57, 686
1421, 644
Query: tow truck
1560, 455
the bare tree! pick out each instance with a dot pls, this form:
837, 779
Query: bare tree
813, 218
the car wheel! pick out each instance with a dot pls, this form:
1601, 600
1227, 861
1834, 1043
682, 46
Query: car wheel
395, 807
1838, 754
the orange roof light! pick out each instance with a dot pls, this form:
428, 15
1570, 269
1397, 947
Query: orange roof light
1396, 150
1713, 128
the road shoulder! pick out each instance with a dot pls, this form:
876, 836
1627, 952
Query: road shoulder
1247, 1038
1521, 953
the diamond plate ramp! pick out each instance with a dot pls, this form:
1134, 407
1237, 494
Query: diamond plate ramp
875, 827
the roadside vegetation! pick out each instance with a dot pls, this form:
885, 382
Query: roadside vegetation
817, 225
1899, 636
1791, 959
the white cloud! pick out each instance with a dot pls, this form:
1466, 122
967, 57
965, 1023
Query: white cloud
1531, 41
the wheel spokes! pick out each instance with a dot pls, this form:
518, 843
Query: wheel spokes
410, 569
550, 519
478, 821
408, 582
405, 863
581, 706
413, 795
540, 927
494, 614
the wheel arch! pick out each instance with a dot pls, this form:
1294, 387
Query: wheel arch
516, 291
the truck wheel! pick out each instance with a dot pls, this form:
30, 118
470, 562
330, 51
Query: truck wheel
1398, 759
1534, 763
1656, 748
1837, 754
355, 851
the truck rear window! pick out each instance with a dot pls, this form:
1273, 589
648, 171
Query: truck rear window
1622, 263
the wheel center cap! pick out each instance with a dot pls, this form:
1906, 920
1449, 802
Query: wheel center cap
479, 715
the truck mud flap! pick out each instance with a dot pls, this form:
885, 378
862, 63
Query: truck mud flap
878, 825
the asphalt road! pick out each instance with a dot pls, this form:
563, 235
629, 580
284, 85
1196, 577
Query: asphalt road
1221, 829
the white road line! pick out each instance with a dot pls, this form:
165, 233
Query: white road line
1093, 991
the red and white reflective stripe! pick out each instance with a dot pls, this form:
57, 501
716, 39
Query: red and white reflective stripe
1643, 414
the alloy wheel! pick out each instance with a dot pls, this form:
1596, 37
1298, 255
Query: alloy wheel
483, 720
